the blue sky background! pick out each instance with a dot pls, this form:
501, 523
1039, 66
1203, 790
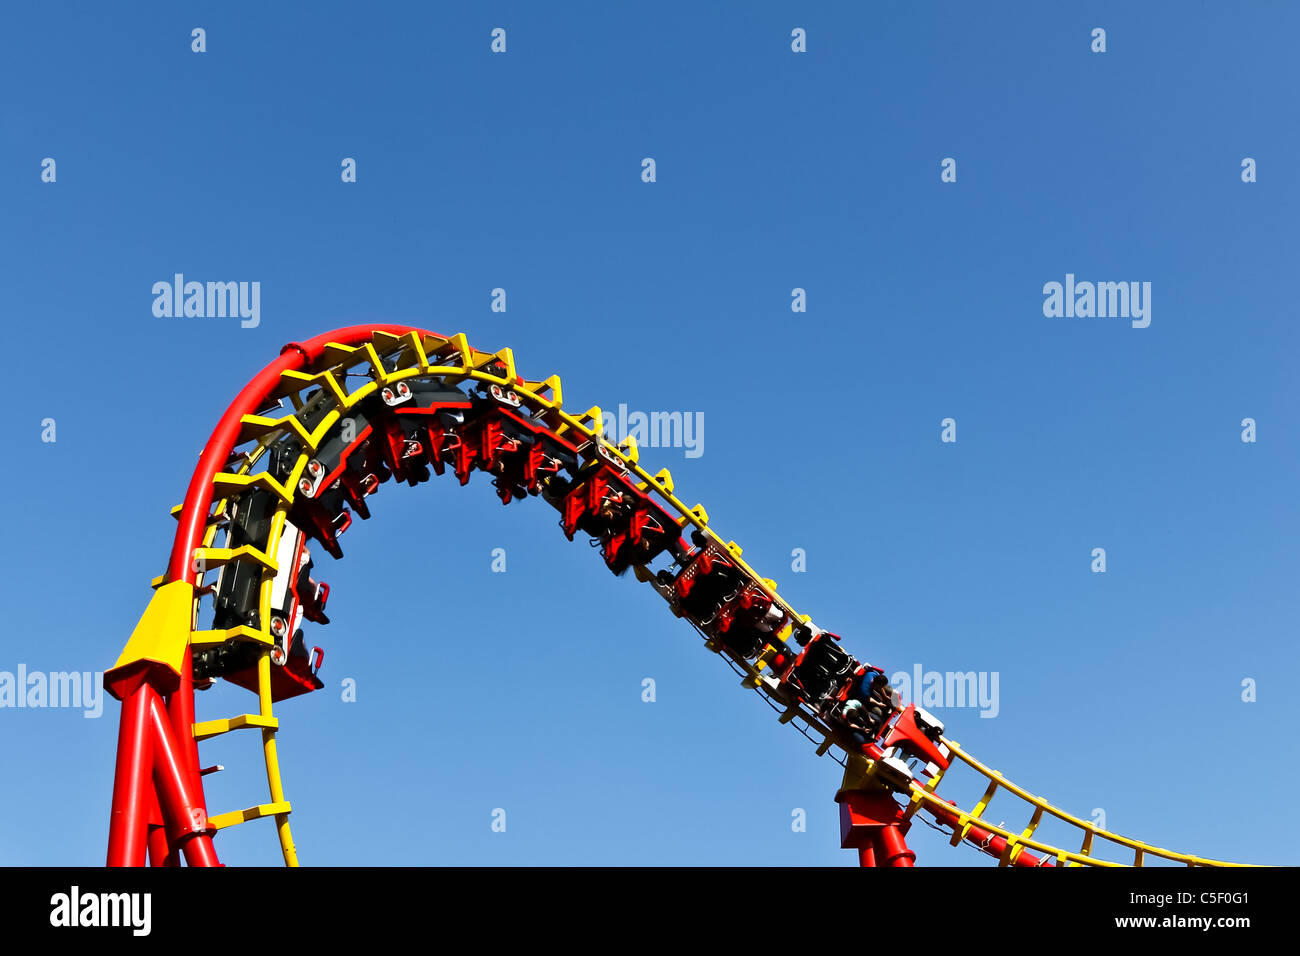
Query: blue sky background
522, 690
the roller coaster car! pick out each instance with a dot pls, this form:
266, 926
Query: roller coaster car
296, 676
540, 459
523, 473
430, 425
637, 533
822, 671
894, 772
295, 596
323, 517
407, 448
781, 659
494, 439
582, 501
863, 678
519, 456
747, 621
631, 528
235, 599
917, 733
401, 415
706, 582
444, 438
417, 396
347, 479
319, 506
858, 689
479, 440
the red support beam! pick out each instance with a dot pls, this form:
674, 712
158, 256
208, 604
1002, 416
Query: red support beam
132, 790
891, 848
872, 822
180, 717
160, 851
179, 796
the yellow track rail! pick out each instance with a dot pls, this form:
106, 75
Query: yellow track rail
923, 796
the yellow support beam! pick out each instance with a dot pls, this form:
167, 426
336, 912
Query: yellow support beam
700, 518
293, 382
204, 639
458, 347
163, 630
214, 728
628, 450
227, 485
959, 834
410, 345
551, 384
507, 358
236, 817
209, 559
336, 353
1013, 848
376, 363
256, 427
661, 482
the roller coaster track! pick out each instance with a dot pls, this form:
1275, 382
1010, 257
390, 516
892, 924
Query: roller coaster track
268, 483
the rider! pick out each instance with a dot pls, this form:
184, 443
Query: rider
869, 703
857, 720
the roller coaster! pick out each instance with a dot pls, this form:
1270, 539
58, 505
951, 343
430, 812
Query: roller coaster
268, 484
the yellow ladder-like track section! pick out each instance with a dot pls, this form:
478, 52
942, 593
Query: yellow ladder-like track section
923, 797
455, 361
207, 559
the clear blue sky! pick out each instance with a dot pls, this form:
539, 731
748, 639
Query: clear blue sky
775, 170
